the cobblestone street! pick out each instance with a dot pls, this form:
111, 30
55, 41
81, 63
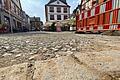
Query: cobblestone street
87, 56
19, 48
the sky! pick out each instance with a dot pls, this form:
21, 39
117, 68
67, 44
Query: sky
37, 7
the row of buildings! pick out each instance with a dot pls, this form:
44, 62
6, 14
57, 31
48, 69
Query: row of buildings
14, 19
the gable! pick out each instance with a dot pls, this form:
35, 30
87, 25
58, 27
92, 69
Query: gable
58, 2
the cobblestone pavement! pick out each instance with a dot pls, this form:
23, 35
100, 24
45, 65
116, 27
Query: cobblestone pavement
94, 52
20, 47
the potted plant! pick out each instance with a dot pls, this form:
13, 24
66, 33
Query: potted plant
4, 27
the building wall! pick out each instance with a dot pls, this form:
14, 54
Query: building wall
26, 21
36, 24
55, 13
0, 11
13, 11
0, 3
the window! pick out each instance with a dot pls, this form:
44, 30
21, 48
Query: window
119, 16
14, 23
65, 10
6, 20
0, 1
80, 17
6, 5
102, 8
58, 2
17, 10
65, 17
51, 17
119, 4
51, 9
111, 17
115, 4
14, 8
86, 14
58, 9
93, 12
58, 17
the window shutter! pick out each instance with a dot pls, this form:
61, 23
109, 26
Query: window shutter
115, 16
104, 7
119, 16
97, 9
80, 17
101, 19
107, 6
113, 4
85, 14
110, 5
118, 4
89, 13
93, 12
97, 20
111, 17
107, 19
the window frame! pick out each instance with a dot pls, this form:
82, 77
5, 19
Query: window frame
52, 17
65, 10
51, 9
59, 10
59, 17
65, 17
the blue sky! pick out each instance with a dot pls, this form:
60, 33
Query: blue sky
36, 7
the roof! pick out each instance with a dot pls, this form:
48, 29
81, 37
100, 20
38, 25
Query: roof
64, 1
51, 1
34, 18
18, 3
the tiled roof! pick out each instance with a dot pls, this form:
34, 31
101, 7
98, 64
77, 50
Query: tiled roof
64, 1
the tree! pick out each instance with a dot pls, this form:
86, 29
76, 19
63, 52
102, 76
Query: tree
53, 27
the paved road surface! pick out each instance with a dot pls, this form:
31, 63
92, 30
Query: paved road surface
59, 56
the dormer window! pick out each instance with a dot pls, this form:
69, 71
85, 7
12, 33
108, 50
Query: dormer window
58, 2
